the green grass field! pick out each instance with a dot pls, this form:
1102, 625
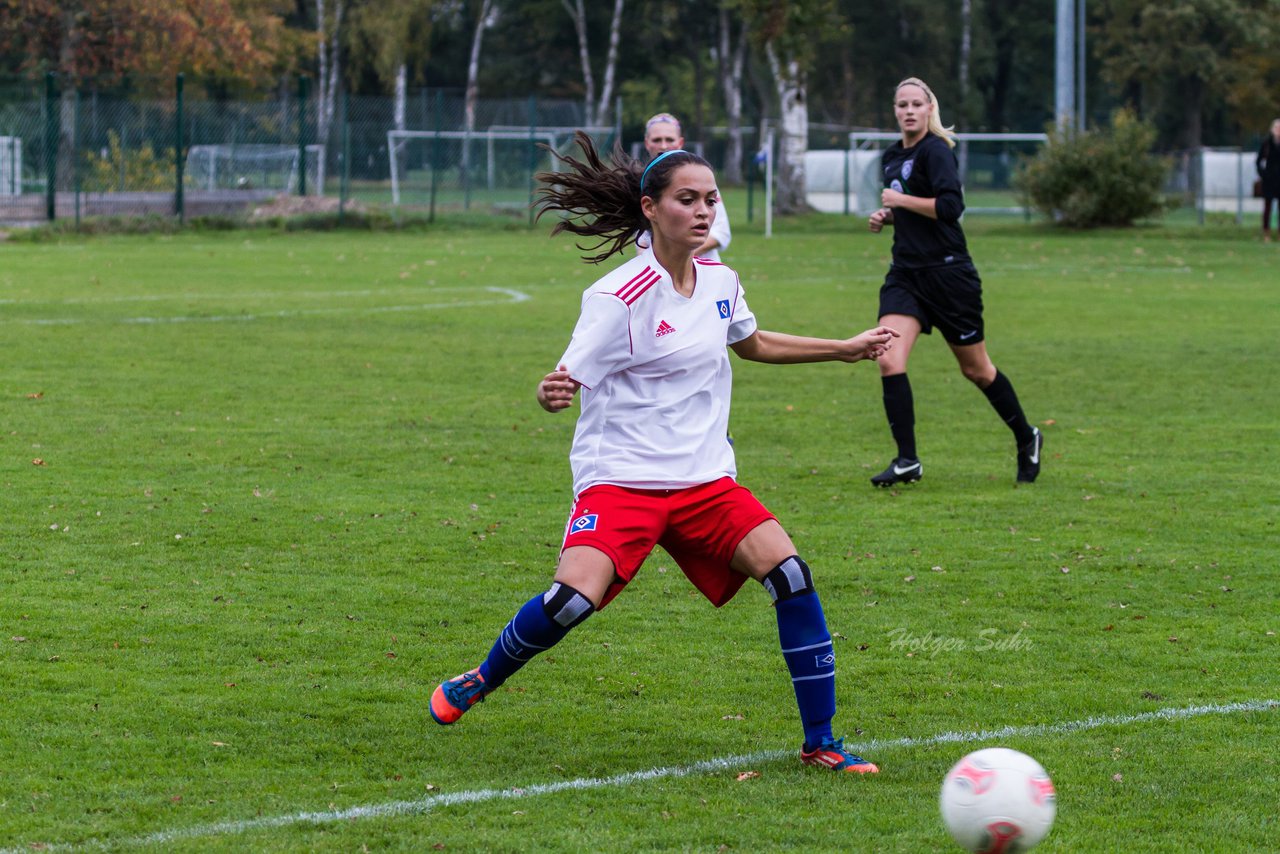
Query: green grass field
262, 491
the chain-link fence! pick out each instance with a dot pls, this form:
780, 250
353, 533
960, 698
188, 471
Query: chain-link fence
72, 153
66, 153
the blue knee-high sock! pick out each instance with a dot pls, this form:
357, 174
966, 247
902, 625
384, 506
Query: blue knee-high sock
806, 645
541, 624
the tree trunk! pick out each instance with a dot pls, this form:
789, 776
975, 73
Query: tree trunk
610, 65
322, 61
578, 12
731, 57
402, 94
1192, 99
966, 44
473, 85
329, 69
65, 155
793, 142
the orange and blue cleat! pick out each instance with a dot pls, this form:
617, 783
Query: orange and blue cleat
454, 696
831, 754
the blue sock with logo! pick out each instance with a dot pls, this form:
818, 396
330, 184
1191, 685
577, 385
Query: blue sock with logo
541, 624
806, 646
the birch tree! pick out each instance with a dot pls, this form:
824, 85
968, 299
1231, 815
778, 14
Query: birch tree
328, 59
487, 18
793, 138
597, 111
391, 37
731, 56
785, 32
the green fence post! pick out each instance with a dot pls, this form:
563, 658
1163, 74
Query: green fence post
345, 183
50, 146
75, 156
846, 183
435, 155
303, 82
179, 202
533, 150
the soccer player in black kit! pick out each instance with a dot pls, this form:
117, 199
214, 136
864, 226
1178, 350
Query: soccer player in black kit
932, 282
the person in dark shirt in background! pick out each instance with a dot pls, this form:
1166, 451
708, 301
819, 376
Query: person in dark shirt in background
932, 282
1268, 164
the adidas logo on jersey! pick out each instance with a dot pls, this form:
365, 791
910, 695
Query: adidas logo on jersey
664, 328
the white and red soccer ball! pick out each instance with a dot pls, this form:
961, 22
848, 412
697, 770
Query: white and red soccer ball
997, 801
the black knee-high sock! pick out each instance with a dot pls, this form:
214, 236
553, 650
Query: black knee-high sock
1005, 402
900, 409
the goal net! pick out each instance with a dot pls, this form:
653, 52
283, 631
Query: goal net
254, 167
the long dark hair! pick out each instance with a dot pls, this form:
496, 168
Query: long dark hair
602, 200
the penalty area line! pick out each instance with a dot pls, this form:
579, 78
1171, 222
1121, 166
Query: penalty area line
426, 804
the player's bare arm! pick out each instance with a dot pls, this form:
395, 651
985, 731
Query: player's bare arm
556, 390
780, 348
925, 207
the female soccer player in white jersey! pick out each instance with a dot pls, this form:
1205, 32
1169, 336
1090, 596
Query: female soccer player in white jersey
651, 463
932, 281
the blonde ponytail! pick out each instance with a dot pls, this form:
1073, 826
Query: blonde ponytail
935, 115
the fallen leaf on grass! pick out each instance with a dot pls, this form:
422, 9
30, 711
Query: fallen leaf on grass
748, 775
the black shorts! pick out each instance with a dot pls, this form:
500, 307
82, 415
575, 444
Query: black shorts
949, 298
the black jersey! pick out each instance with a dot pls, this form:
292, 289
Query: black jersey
929, 170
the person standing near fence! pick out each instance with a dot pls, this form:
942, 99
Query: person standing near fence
650, 462
932, 282
663, 133
1268, 165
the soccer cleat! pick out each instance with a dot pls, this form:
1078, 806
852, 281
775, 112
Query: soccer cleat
901, 470
1029, 458
831, 754
454, 696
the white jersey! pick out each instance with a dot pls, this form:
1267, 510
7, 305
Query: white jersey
655, 376
719, 230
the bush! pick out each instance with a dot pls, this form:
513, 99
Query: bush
118, 168
1104, 177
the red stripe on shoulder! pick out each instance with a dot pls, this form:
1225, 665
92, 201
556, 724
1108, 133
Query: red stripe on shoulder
631, 300
710, 262
632, 290
635, 282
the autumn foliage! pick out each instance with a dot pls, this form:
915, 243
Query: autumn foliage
231, 41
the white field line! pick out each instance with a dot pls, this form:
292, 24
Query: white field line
871, 748
504, 296
223, 295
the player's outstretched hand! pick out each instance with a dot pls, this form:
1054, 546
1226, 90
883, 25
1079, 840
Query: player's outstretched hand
872, 344
556, 390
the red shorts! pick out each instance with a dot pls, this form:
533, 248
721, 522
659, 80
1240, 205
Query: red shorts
700, 527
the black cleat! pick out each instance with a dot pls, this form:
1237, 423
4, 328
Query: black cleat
1029, 458
901, 470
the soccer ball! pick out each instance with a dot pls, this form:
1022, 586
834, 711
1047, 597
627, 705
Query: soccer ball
997, 800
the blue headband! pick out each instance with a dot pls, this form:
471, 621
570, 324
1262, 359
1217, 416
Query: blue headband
654, 161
